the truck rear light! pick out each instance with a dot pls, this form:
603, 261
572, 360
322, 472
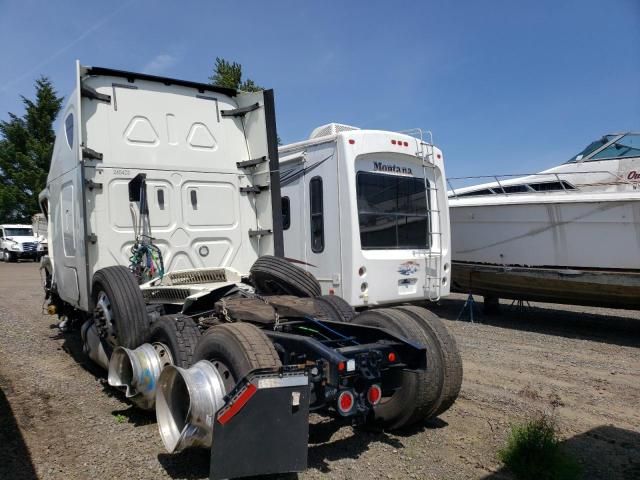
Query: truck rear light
342, 366
374, 394
406, 144
346, 402
351, 141
393, 142
391, 357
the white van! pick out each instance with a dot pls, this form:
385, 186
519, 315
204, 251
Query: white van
366, 212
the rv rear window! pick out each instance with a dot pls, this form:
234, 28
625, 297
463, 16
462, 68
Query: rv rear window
317, 215
286, 213
393, 211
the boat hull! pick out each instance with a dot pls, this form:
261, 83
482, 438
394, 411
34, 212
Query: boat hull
565, 251
572, 234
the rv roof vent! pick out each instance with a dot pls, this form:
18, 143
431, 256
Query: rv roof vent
331, 129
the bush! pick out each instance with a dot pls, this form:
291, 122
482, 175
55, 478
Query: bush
533, 451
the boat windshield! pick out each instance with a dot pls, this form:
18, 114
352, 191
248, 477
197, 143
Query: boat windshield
393, 211
592, 147
625, 146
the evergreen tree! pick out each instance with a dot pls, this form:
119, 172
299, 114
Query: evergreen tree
229, 75
26, 145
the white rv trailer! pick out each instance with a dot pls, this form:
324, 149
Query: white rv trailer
366, 212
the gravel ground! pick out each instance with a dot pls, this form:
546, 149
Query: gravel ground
58, 419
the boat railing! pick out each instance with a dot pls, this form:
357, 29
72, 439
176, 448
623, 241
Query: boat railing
499, 188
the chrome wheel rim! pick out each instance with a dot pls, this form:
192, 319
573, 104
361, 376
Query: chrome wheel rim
104, 319
228, 379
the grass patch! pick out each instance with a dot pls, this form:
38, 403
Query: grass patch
533, 451
120, 418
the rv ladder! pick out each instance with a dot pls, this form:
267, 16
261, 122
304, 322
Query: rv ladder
433, 262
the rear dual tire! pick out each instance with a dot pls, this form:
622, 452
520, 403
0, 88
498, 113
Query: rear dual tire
235, 349
335, 308
179, 334
450, 355
422, 394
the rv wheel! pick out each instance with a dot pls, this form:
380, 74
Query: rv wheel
336, 308
277, 276
119, 309
418, 396
179, 334
451, 361
235, 349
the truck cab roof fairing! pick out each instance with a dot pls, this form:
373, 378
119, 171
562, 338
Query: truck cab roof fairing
202, 87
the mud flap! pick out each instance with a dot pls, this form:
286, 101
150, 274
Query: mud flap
263, 427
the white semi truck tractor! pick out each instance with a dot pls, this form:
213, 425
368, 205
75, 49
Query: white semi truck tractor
166, 256
17, 242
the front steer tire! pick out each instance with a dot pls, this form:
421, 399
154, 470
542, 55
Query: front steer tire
418, 396
179, 334
127, 304
277, 276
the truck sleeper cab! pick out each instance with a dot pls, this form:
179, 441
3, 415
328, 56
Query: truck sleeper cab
365, 211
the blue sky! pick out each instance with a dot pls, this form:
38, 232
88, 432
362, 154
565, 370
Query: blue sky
505, 86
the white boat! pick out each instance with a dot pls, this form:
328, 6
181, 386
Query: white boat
570, 234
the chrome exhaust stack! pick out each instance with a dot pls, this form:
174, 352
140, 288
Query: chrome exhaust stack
186, 403
138, 371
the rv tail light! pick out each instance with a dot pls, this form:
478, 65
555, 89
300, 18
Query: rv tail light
351, 141
374, 394
393, 142
345, 402
391, 357
406, 144
332, 291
